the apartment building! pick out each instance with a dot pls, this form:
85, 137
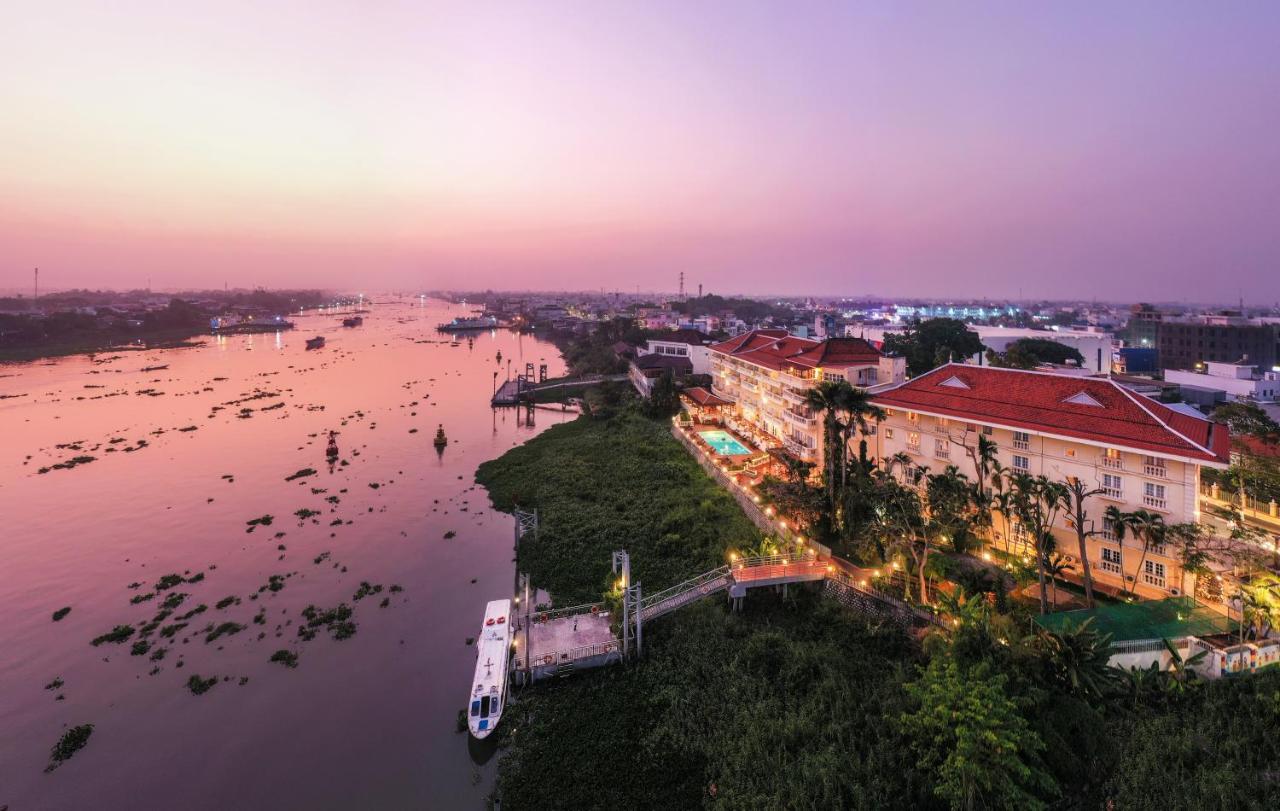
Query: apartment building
1140, 453
766, 373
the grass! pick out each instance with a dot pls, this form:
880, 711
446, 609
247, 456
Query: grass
621, 482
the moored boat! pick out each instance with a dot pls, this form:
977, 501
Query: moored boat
352, 322
463, 324
316, 342
489, 687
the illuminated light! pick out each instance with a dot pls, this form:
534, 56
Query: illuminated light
986, 556
895, 565
733, 557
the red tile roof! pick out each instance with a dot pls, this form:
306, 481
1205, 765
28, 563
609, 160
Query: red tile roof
704, 398
1062, 405
775, 349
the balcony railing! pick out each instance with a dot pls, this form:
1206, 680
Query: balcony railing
1157, 503
1109, 566
942, 453
1113, 492
1112, 462
1021, 444
799, 419
799, 450
1156, 471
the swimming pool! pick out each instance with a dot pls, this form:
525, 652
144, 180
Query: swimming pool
724, 443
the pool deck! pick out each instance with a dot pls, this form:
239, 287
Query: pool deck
734, 435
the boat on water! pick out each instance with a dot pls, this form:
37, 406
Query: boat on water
353, 322
316, 342
469, 322
489, 687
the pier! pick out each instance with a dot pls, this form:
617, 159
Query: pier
519, 388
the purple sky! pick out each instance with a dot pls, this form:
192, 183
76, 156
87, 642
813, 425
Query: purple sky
1118, 151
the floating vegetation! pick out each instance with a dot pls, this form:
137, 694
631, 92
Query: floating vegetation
225, 601
306, 471
199, 686
272, 407
261, 617
158, 654
336, 620
225, 629
72, 741
197, 577
366, 590
142, 598
116, 635
395, 589
386, 601
169, 631
274, 583
321, 558
140, 648
189, 428
264, 521
305, 513
450, 534
60, 613
285, 657
55, 684
168, 582
173, 600
200, 609
70, 463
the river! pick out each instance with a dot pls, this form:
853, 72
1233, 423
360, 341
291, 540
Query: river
365, 721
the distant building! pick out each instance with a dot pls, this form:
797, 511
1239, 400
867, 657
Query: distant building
1135, 360
1226, 338
683, 343
645, 370
1238, 381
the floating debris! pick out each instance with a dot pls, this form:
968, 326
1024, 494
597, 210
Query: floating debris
306, 471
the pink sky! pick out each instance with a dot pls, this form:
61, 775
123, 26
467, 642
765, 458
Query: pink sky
897, 148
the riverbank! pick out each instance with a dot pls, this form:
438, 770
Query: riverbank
800, 703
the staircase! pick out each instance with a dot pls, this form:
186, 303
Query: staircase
655, 605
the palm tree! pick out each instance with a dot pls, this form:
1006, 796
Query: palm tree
1036, 500
1077, 657
985, 462
857, 408
1147, 526
1055, 567
1002, 502
825, 399
1074, 494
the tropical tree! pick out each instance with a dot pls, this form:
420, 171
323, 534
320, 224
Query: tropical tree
933, 342
1074, 495
968, 734
899, 528
1150, 528
1036, 501
1076, 659
825, 399
1056, 566
951, 514
859, 412
1181, 672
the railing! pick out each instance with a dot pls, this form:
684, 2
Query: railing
1153, 501
571, 655
1153, 580
1113, 492
666, 600
941, 452
1141, 646
1021, 444
1112, 462
941, 428
1155, 471
569, 611
799, 418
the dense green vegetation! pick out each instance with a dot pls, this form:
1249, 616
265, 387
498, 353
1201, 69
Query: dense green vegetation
747, 309
1028, 353
615, 482
800, 703
933, 342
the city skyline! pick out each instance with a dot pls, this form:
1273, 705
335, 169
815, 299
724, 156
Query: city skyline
891, 151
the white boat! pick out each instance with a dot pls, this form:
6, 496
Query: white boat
489, 687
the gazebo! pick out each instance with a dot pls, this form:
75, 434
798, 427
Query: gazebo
703, 406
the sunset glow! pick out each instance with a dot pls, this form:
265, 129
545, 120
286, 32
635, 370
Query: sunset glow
589, 145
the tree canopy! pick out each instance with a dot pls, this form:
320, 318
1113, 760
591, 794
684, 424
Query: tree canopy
1028, 353
931, 343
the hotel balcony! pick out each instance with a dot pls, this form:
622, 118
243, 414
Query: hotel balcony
1155, 471
799, 450
799, 419
1111, 462
1155, 503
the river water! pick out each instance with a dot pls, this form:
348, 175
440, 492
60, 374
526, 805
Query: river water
365, 721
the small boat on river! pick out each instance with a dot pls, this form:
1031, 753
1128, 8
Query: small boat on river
489, 687
441, 440
316, 342
352, 322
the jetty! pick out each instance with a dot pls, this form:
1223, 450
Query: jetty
521, 387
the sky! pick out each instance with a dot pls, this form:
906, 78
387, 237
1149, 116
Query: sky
1072, 150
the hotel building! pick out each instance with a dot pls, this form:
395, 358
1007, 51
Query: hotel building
766, 373
1139, 453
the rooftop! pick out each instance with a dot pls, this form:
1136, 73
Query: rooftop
1091, 409
776, 349
1172, 618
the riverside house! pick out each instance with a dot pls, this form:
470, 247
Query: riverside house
766, 373
1139, 453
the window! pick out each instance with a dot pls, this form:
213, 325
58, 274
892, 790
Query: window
940, 425
1021, 463
1153, 466
1021, 440
888, 433
1153, 573
942, 448
913, 416
986, 429
1071, 453
1108, 529
1153, 495
913, 441
1112, 486
1111, 561
1111, 458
